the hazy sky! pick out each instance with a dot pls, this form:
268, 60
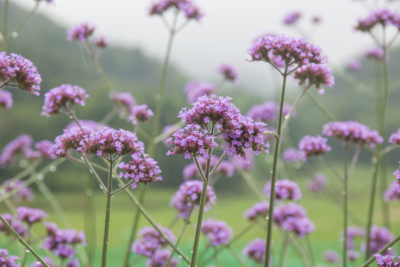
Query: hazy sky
223, 35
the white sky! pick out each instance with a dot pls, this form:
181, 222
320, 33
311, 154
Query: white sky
224, 33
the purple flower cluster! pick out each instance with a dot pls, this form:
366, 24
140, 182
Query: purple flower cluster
140, 113
318, 183
291, 51
314, 75
124, 101
354, 65
141, 169
101, 42
375, 53
191, 141
188, 197
21, 71
62, 242
22, 145
292, 217
218, 232
313, 145
8, 260
331, 256
393, 192
383, 17
268, 111
6, 100
80, 32
70, 139
379, 238
284, 190
62, 97
387, 260
15, 223
150, 241
257, 211
353, 232
190, 10
245, 162
160, 258
394, 139
194, 90
228, 72
352, 132
45, 148
30, 215
396, 173
293, 155
255, 250
291, 18
22, 191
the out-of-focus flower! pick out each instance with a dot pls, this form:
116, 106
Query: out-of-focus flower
314, 145
160, 258
379, 238
255, 250
314, 75
331, 256
218, 232
45, 148
22, 192
245, 162
15, 223
101, 42
268, 111
383, 17
257, 211
292, 217
293, 155
30, 215
6, 100
354, 65
387, 260
318, 183
190, 10
316, 19
394, 139
284, 190
228, 72
194, 90
352, 233
22, 145
292, 18
375, 53
7, 260
70, 139
80, 32
140, 113
150, 241
393, 192
124, 101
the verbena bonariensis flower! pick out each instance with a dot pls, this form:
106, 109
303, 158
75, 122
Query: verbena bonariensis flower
15, 223
188, 197
22, 192
245, 162
140, 169
124, 101
63, 96
218, 232
7, 260
228, 72
292, 18
70, 139
140, 113
191, 141
314, 145
331, 256
387, 260
30, 215
383, 17
80, 32
194, 90
6, 100
257, 211
352, 132
190, 10
22, 145
226, 168
375, 53
354, 65
352, 233
160, 258
393, 192
300, 227
268, 111
353, 255
284, 190
394, 139
314, 75
292, 51
379, 238
255, 250
109, 141
293, 155
101, 42
396, 173
150, 241
46, 149
317, 183
286, 212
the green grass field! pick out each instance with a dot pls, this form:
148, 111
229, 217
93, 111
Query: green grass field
230, 207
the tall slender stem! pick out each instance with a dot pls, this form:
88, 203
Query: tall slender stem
177, 243
274, 171
5, 25
285, 244
321, 107
345, 203
25, 19
107, 216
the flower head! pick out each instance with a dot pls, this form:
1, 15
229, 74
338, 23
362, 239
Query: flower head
375, 53
62, 97
160, 258
218, 232
194, 90
15, 223
22, 192
352, 233
80, 32
284, 190
354, 65
255, 250
383, 17
190, 10
313, 145
268, 111
46, 149
140, 113
387, 260
293, 155
394, 139
379, 238
317, 183
314, 75
331, 256
150, 241
6, 100
70, 139
7, 260
22, 145
124, 101
393, 192
287, 212
101, 42
292, 18
257, 211
30, 215
228, 72
245, 162
188, 197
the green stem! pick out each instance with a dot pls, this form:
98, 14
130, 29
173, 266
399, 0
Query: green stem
90, 221
23, 242
383, 250
345, 203
237, 257
176, 244
310, 250
285, 244
5, 25
107, 216
321, 107
274, 174
296, 102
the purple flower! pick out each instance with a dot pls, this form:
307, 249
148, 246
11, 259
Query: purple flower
245, 162
394, 139
228, 72
194, 90
15, 223
150, 241
375, 53
397, 174
353, 255
354, 65
7, 71
124, 101
291, 51
300, 227
291, 18
70, 139
316, 19
141, 169
255, 250
226, 168
284, 190
19, 146
379, 238
8, 260
218, 232
387, 260
257, 211
63, 96
293, 155
160, 258
141, 113
190, 10
191, 141
6, 100
314, 145
22, 191
268, 111
352, 132
80, 32
352, 233
314, 75
188, 197
393, 192
287, 212
46, 149
331, 256
383, 17
101, 42
318, 183
30, 215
